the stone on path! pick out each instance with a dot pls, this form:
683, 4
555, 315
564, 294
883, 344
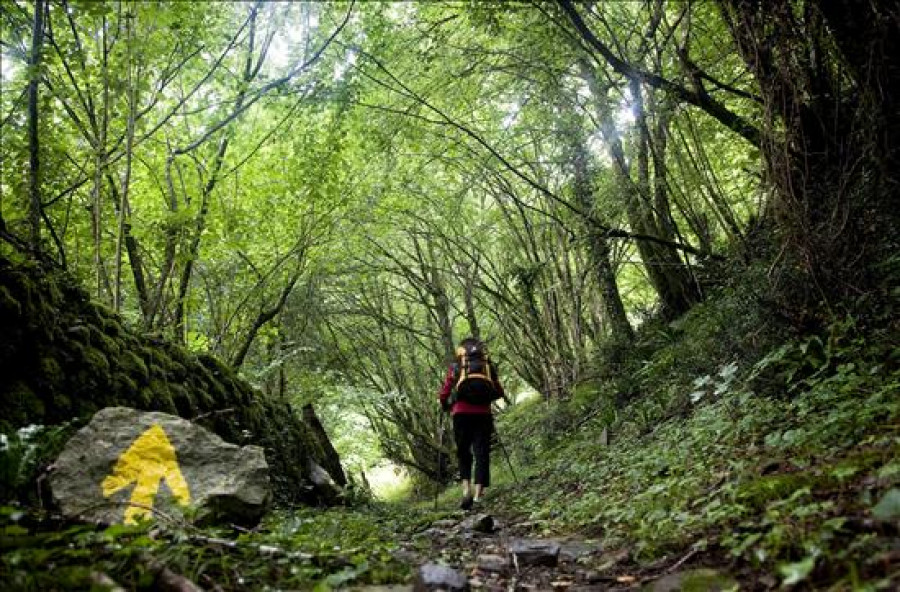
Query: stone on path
433, 577
127, 465
479, 523
575, 550
326, 488
492, 564
534, 552
708, 580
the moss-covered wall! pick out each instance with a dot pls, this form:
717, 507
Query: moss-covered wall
63, 357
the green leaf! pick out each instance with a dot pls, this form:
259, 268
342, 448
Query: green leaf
795, 573
889, 506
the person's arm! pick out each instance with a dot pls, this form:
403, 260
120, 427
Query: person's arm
446, 389
499, 386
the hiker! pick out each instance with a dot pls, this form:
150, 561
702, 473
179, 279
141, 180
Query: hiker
470, 386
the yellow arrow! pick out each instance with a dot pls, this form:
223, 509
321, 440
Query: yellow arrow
150, 459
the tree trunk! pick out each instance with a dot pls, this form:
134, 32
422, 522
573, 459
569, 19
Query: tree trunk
616, 317
666, 271
332, 460
34, 176
248, 75
652, 215
829, 74
123, 206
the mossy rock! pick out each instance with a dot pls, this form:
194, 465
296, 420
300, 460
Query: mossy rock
50, 372
22, 403
110, 326
144, 397
216, 390
134, 365
62, 404
104, 342
8, 304
79, 333
178, 354
70, 357
124, 386
177, 372
96, 361
149, 353
184, 400
695, 580
156, 372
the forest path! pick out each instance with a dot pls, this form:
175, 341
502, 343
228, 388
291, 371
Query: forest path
484, 551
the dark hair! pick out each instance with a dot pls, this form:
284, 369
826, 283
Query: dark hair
472, 345
471, 341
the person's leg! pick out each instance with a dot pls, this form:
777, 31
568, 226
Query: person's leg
481, 446
462, 433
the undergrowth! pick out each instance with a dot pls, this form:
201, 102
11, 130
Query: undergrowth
305, 549
778, 457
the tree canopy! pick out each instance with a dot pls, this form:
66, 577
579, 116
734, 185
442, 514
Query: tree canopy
330, 195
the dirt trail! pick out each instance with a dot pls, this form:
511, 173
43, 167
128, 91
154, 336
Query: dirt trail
482, 550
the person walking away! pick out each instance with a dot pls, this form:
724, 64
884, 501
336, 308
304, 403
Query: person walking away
470, 386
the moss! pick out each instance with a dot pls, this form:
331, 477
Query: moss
166, 404
162, 397
216, 367
22, 403
55, 296
125, 388
79, 333
184, 400
178, 354
177, 372
112, 327
204, 399
149, 353
96, 361
132, 364
62, 404
8, 304
50, 372
102, 341
217, 390
144, 397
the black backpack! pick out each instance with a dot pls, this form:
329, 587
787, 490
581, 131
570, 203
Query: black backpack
474, 375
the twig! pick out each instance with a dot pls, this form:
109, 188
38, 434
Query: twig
681, 561
158, 513
104, 582
261, 549
166, 579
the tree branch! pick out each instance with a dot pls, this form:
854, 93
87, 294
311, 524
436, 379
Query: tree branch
698, 98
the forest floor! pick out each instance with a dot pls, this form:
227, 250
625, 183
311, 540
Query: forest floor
799, 492
712, 462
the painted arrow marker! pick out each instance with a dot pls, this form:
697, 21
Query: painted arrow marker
148, 461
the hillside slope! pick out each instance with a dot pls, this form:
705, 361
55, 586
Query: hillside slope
770, 455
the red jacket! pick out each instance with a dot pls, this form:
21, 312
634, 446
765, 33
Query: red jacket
462, 406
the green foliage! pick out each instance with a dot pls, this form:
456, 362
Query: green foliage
25, 455
780, 483
304, 549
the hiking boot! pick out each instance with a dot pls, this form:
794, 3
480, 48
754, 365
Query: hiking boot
466, 503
